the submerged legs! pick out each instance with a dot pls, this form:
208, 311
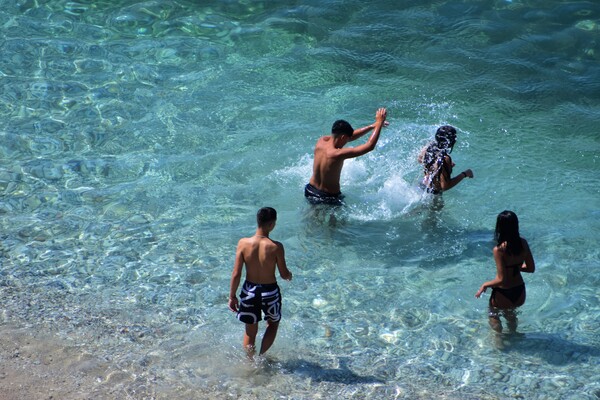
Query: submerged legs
269, 336
510, 314
267, 340
250, 339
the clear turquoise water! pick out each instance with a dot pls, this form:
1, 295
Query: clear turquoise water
138, 139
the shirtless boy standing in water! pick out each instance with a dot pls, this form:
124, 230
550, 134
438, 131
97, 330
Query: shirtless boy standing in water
330, 153
259, 292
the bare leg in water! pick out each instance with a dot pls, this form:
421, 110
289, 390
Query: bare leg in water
269, 336
267, 341
250, 339
496, 324
511, 320
500, 304
494, 320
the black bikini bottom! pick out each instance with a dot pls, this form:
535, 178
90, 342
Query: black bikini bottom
513, 293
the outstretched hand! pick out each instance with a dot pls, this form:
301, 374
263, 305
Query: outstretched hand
380, 116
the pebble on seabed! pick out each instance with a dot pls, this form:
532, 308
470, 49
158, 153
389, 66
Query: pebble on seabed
319, 303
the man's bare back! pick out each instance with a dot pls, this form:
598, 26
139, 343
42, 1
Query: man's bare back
329, 156
327, 168
260, 255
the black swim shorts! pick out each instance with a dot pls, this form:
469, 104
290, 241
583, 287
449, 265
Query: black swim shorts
316, 196
255, 298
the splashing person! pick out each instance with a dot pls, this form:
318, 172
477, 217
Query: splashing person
330, 154
437, 163
512, 256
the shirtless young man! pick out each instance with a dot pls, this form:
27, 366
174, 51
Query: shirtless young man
259, 292
324, 185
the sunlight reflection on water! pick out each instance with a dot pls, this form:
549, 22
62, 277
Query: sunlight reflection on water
138, 140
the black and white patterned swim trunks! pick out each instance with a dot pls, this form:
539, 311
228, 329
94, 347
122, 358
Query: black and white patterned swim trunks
255, 298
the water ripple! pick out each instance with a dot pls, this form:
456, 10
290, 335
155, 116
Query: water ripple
139, 137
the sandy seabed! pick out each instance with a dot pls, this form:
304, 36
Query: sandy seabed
36, 366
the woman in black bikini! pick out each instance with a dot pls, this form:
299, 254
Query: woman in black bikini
512, 256
437, 163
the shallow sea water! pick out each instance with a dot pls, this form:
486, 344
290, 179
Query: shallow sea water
138, 140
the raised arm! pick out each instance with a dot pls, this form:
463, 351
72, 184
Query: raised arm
499, 274
236, 276
361, 131
364, 148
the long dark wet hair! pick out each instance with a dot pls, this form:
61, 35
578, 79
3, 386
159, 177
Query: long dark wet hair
445, 138
507, 230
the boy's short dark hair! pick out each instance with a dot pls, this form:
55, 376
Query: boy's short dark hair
341, 127
266, 215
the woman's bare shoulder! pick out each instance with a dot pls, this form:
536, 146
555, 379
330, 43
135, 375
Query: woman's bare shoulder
500, 248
